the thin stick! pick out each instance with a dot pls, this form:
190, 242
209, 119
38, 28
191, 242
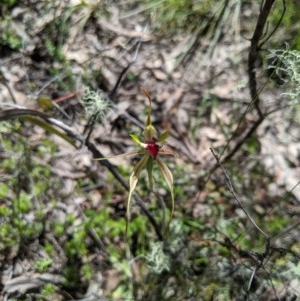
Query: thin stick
132, 60
231, 189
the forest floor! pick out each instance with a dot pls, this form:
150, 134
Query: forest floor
62, 213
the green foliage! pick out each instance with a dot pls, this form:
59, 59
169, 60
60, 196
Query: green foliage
132, 77
288, 30
48, 289
8, 236
9, 37
56, 32
65, 79
4, 189
7, 4
42, 265
49, 248
276, 223
175, 15
28, 181
23, 203
16, 227
76, 246
87, 272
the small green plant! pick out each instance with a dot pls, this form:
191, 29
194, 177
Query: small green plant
8, 35
42, 265
175, 15
48, 290
289, 25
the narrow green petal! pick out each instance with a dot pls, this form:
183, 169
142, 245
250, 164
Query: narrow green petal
163, 137
165, 171
169, 179
149, 171
135, 139
132, 184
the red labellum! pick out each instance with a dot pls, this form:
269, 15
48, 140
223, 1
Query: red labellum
153, 148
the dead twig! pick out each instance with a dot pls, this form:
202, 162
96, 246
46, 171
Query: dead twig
123, 72
232, 191
6, 83
259, 257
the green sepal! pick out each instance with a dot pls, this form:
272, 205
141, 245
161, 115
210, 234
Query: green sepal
148, 95
163, 137
149, 132
149, 171
135, 139
169, 179
132, 184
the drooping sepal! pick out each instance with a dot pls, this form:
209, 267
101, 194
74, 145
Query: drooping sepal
149, 171
169, 179
132, 185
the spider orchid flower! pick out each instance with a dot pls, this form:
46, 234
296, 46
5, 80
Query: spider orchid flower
151, 148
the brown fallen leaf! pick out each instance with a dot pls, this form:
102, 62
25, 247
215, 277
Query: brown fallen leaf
160, 75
